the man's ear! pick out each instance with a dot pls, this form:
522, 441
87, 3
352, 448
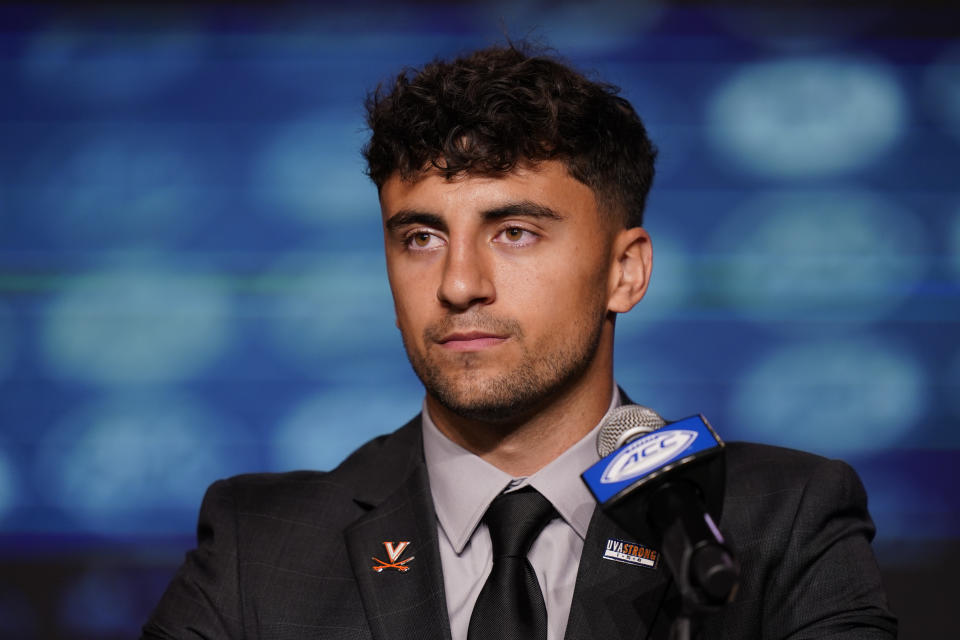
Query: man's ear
630, 269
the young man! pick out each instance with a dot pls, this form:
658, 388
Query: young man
512, 192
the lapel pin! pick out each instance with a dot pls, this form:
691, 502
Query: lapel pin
394, 551
631, 553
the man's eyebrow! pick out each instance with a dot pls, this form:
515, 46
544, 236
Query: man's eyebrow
407, 217
523, 208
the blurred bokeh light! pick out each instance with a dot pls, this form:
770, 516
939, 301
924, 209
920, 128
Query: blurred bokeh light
942, 89
313, 170
832, 397
133, 326
807, 117
104, 57
837, 254
113, 186
321, 427
8, 339
138, 462
330, 309
9, 491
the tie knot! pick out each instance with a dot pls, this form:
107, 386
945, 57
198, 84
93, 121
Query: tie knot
515, 520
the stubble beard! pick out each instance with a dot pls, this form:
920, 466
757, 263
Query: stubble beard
542, 373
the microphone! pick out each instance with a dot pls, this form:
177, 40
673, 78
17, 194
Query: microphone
624, 424
669, 479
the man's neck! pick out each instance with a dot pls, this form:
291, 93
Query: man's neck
529, 442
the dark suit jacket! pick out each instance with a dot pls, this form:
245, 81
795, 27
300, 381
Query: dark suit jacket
291, 556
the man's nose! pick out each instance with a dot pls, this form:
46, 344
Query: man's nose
466, 278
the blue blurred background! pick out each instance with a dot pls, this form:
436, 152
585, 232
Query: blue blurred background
192, 285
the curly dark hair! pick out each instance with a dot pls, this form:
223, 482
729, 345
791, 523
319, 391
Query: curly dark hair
488, 111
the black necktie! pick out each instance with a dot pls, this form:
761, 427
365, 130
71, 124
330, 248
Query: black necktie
510, 605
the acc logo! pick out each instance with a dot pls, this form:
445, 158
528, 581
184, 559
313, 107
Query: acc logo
648, 453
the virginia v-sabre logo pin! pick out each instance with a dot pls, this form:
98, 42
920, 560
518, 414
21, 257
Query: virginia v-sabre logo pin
394, 551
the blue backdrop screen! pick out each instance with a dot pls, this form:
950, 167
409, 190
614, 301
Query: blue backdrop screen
192, 282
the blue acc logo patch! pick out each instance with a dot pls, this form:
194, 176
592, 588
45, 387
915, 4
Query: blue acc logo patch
647, 454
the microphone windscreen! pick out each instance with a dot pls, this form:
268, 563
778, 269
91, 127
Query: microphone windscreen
624, 424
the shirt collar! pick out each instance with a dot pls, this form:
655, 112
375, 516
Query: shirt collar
463, 485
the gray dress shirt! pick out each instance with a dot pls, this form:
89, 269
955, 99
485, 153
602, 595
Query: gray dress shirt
463, 486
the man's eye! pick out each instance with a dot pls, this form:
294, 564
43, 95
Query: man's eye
422, 240
517, 235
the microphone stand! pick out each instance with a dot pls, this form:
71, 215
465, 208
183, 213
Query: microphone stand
681, 629
705, 570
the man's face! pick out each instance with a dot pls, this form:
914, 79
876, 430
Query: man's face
500, 285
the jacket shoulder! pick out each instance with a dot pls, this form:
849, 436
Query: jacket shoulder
799, 526
775, 484
761, 467
373, 468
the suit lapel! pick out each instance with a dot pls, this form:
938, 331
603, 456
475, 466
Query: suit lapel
616, 600
401, 605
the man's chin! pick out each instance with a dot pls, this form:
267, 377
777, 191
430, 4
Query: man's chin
494, 406
481, 411
497, 391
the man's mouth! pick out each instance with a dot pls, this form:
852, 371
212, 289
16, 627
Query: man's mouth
471, 340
